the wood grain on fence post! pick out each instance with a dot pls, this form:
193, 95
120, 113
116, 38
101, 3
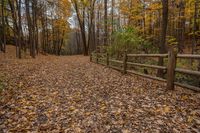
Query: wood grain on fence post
199, 70
107, 59
171, 68
125, 62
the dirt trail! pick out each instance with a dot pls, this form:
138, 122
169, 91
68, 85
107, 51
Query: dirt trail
70, 94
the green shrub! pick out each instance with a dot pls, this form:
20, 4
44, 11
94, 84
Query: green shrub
127, 39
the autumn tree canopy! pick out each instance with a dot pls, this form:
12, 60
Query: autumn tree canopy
82, 25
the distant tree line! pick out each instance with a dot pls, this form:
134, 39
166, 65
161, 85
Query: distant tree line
34, 26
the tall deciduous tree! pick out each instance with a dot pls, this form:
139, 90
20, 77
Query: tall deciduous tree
105, 22
80, 9
162, 48
3, 40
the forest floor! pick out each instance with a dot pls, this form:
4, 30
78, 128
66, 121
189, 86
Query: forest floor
71, 94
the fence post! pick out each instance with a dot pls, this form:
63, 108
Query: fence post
97, 56
125, 62
171, 68
90, 57
107, 59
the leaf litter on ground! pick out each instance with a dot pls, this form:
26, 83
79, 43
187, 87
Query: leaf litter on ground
71, 94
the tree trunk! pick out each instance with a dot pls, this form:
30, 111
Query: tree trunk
105, 22
34, 23
162, 48
194, 39
82, 26
15, 25
19, 29
30, 30
3, 44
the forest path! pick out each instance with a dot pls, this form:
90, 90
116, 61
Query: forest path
71, 94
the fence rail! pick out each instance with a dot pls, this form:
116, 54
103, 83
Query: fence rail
149, 66
190, 56
148, 55
170, 68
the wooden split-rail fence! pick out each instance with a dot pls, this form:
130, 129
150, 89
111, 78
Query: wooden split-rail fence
171, 68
